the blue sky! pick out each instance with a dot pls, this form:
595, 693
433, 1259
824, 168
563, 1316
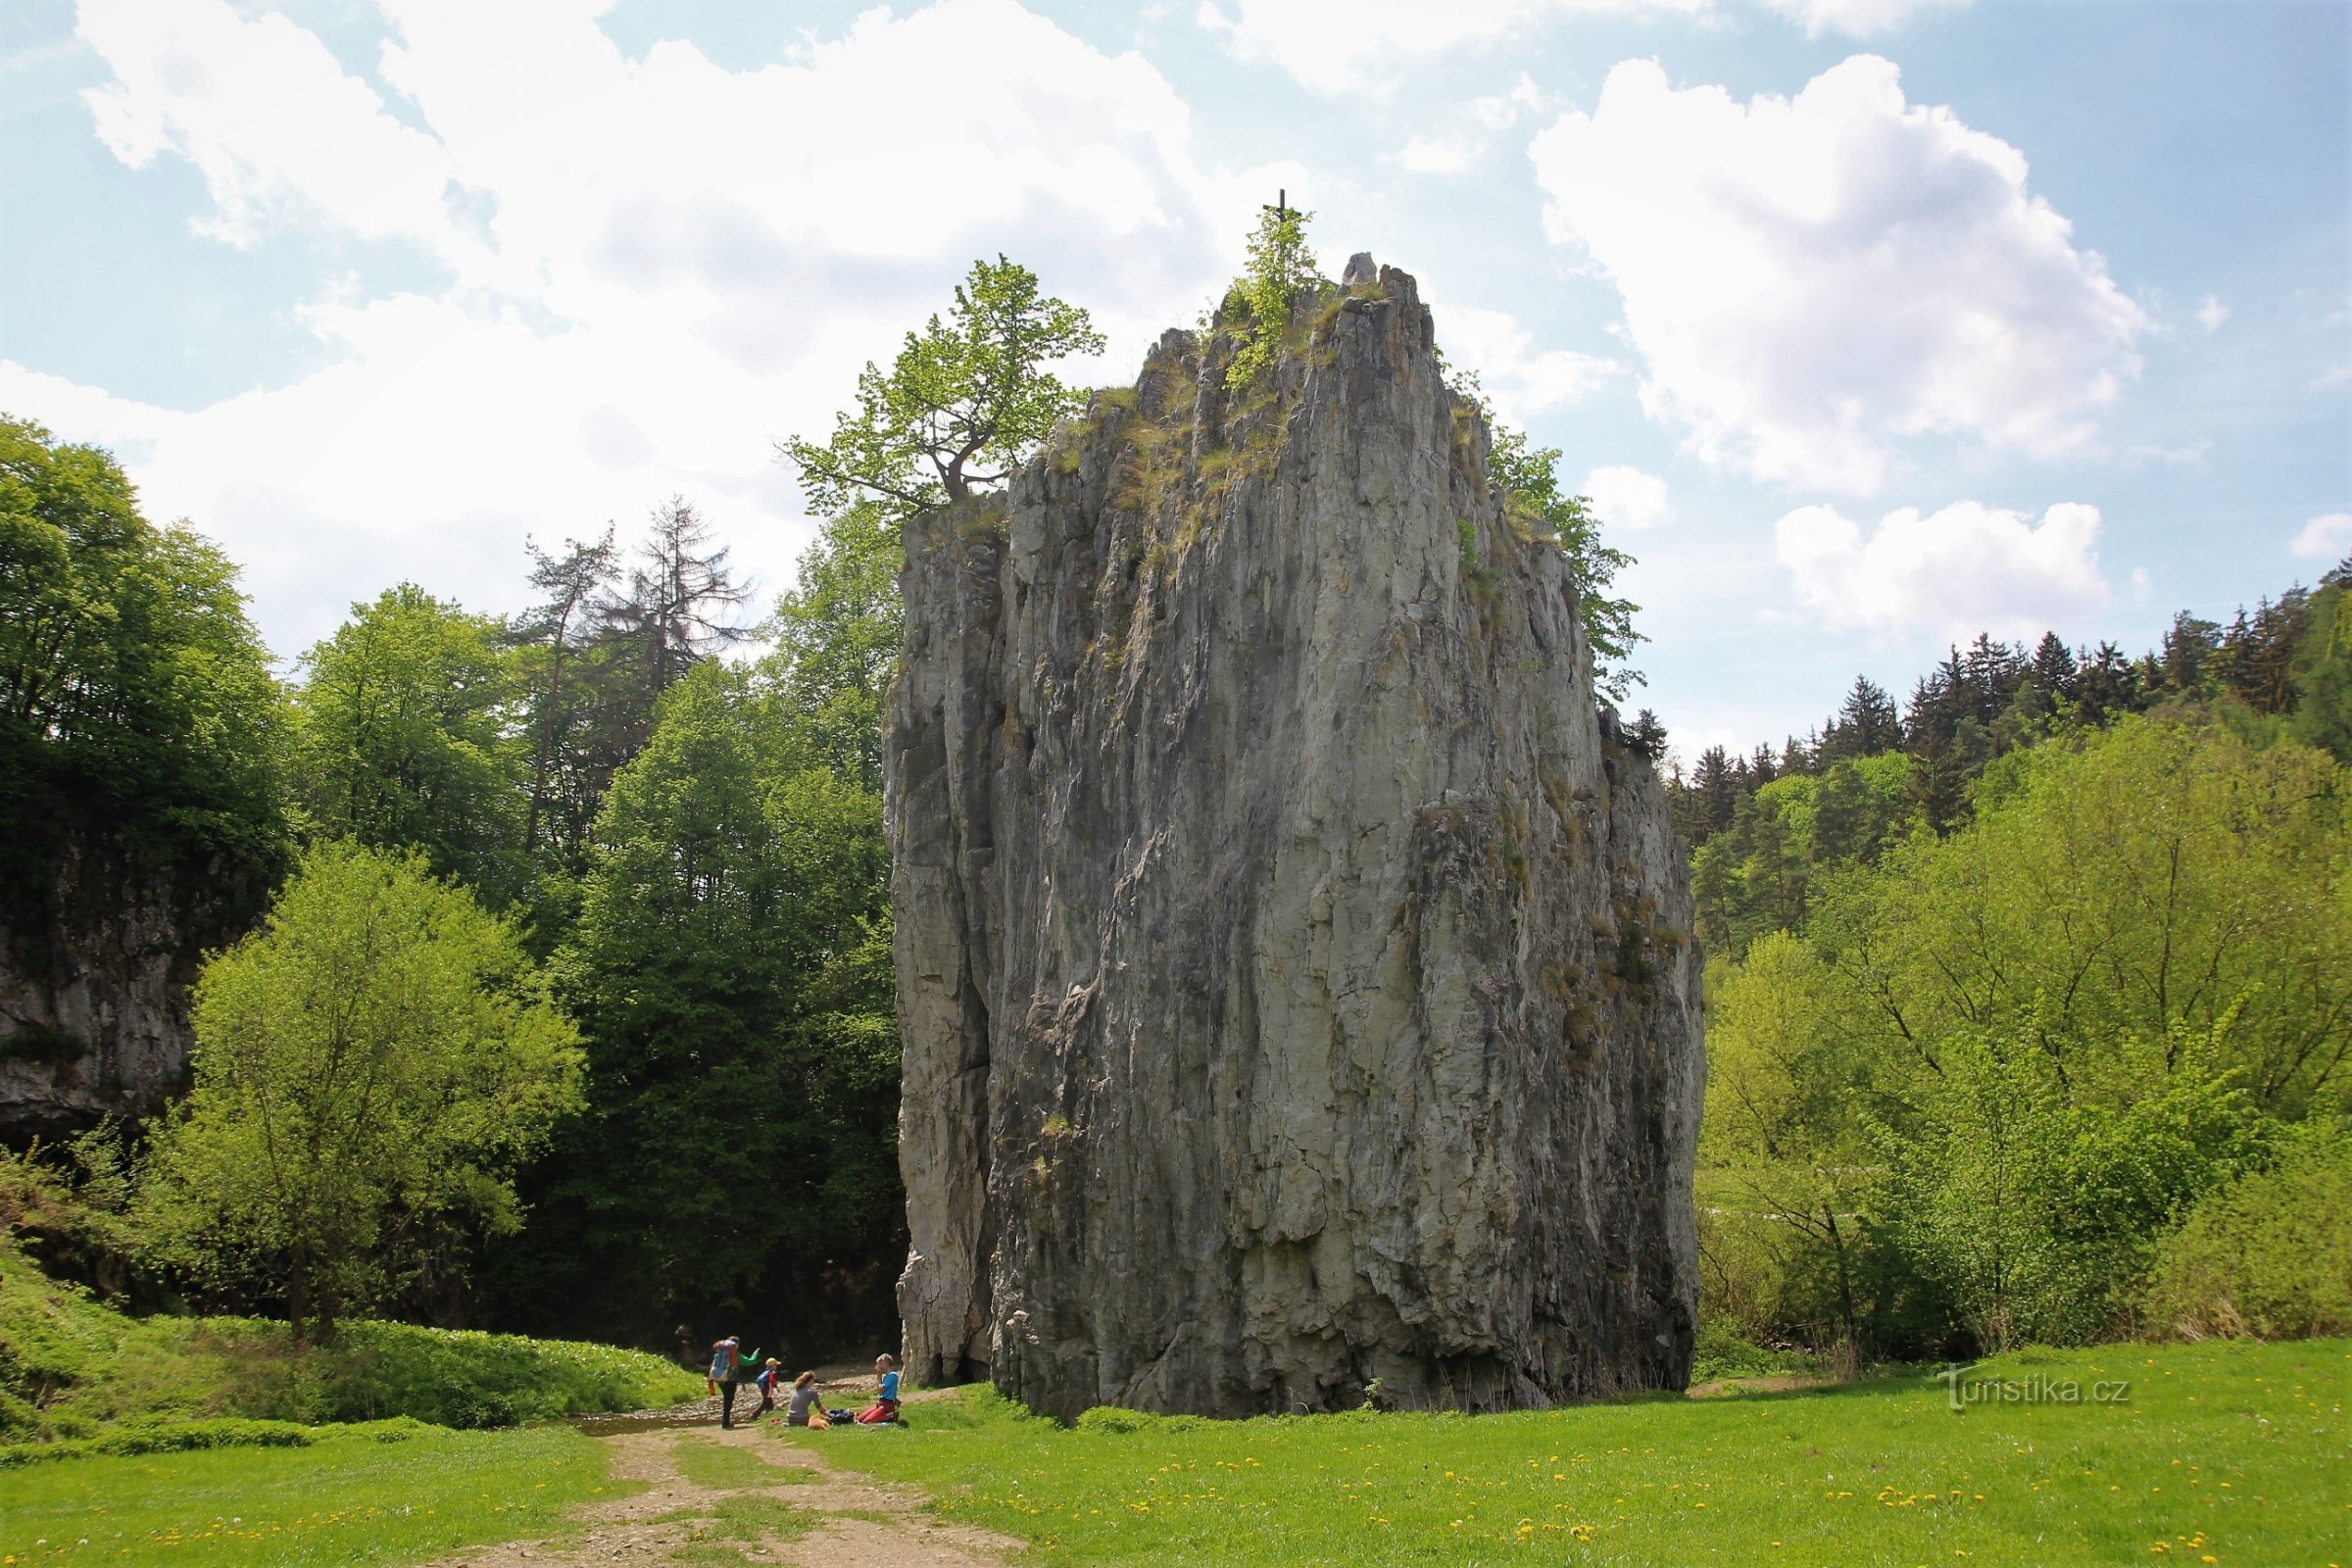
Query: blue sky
1865, 323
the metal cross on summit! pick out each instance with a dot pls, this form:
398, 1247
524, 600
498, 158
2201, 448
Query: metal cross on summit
1282, 207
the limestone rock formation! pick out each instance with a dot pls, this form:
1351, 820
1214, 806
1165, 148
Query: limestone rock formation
1294, 961
95, 977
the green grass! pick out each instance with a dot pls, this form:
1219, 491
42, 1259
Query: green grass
71, 1367
729, 1469
2231, 1452
347, 1499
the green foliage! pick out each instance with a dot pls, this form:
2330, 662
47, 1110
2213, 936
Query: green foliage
1278, 265
1720, 1354
837, 641
1879, 1472
2032, 1208
1530, 481
168, 1437
136, 704
2156, 877
1994, 1071
66, 1202
1112, 1418
345, 1496
72, 1368
2322, 669
2270, 1254
731, 971
1757, 876
963, 403
404, 738
370, 1068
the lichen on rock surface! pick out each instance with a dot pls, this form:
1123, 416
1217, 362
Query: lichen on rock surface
1293, 959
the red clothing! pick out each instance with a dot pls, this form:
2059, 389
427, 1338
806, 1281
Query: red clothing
883, 1413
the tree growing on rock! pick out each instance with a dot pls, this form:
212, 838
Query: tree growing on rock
1279, 266
1529, 479
370, 1068
963, 403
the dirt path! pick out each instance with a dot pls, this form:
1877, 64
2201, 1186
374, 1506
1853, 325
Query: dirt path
709, 1502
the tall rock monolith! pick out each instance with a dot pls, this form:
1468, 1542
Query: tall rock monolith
1294, 958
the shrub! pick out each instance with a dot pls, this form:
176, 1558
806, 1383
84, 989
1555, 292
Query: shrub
1112, 1419
166, 1437
1722, 1353
2267, 1256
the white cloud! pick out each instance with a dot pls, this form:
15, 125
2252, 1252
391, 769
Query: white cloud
1365, 44
660, 264
1437, 155
2326, 538
1965, 568
1521, 380
1811, 281
2212, 313
1344, 50
262, 109
1629, 499
1473, 129
2330, 378
1859, 18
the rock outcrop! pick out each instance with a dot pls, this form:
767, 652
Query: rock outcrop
95, 966
1293, 959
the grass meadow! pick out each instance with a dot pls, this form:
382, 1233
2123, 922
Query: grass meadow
346, 1498
2219, 1454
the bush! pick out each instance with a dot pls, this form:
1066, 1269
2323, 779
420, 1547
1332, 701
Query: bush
450, 1377
1722, 1353
72, 1368
1111, 1418
2267, 1256
166, 1437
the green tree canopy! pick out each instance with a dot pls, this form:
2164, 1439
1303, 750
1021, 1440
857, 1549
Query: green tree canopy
135, 698
1279, 264
1530, 481
731, 969
370, 1066
1992, 1070
837, 640
963, 403
406, 734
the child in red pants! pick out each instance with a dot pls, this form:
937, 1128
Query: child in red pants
886, 1403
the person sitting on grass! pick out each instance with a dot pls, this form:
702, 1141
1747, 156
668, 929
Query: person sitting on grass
885, 1407
802, 1400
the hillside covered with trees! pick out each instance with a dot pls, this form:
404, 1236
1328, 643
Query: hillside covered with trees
2028, 999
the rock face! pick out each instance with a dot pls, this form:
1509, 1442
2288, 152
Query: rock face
1293, 959
94, 995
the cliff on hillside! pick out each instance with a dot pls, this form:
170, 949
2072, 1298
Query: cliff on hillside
1294, 963
96, 958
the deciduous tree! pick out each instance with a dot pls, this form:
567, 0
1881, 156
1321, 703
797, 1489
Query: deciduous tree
370, 1068
963, 403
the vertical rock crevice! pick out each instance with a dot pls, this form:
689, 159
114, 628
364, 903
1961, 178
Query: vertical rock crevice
1294, 965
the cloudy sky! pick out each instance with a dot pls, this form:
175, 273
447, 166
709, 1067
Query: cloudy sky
1865, 323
